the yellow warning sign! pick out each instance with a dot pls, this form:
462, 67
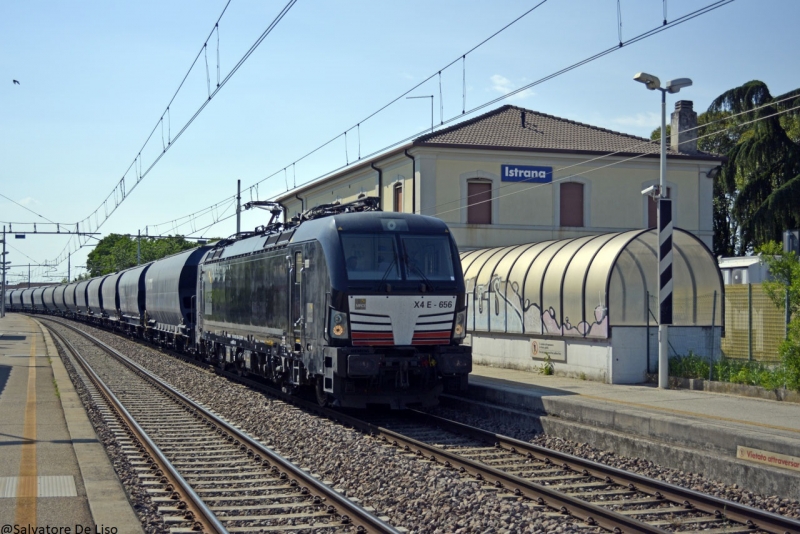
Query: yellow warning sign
770, 458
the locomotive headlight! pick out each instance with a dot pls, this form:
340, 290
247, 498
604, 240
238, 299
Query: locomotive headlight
460, 328
338, 325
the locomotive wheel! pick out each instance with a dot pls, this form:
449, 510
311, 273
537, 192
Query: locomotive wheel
322, 397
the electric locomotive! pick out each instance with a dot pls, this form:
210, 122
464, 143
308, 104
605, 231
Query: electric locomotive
366, 307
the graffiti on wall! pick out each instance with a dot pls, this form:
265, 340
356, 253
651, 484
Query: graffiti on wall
500, 306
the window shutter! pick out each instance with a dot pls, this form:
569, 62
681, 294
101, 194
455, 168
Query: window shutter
398, 198
479, 202
571, 204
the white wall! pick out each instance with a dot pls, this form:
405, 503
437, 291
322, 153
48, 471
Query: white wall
584, 358
621, 359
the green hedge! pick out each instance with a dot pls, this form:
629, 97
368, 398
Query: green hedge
785, 374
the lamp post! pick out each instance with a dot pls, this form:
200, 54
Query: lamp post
664, 228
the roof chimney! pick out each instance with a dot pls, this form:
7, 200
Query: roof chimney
522, 117
683, 136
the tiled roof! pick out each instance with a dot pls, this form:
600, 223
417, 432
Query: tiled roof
502, 128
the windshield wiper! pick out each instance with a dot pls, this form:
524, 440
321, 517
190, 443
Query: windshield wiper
419, 271
388, 270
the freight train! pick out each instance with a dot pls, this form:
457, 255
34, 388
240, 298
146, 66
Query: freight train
357, 306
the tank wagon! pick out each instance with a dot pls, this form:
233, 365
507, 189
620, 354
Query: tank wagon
47, 298
9, 297
357, 306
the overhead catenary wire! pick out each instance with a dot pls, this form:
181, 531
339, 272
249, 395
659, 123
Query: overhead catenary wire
26, 208
220, 219
532, 186
137, 161
649, 33
462, 57
627, 150
631, 158
658, 29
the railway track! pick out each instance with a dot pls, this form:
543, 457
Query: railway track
202, 472
597, 495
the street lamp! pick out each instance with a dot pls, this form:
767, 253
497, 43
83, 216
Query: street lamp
664, 229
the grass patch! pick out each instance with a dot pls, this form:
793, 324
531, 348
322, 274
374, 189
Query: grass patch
547, 367
689, 366
55, 385
750, 373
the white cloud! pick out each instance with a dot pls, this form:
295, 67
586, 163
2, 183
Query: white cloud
504, 86
640, 120
29, 201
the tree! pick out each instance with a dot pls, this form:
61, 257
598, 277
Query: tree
760, 180
757, 192
118, 252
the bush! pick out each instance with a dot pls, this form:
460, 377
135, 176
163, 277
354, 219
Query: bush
748, 373
689, 366
790, 356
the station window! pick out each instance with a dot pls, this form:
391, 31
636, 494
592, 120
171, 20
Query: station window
398, 197
479, 202
571, 206
652, 210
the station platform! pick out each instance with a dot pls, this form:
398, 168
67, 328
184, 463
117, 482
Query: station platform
747, 441
54, 472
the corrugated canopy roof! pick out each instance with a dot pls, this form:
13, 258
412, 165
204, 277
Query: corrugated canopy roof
581, 287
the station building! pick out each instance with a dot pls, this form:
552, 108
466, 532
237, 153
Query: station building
512, 178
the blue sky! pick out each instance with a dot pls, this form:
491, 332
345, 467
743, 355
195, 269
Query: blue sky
96, 76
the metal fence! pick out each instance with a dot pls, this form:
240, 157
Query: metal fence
754, 326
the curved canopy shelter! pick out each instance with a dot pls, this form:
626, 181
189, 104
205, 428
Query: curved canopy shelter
580, 287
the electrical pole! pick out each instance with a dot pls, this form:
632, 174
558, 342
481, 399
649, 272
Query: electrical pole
3, 267
29, 276
238, 208
139, 247
68, 265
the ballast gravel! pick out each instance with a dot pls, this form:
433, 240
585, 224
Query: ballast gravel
694, 481
418, 496
141, 502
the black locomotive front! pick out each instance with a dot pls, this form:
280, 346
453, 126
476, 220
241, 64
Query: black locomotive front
397, 312
365, 308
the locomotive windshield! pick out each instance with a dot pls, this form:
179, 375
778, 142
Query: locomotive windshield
427, 257
383, 257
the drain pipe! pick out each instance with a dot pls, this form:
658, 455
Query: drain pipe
302, 202
413, 181
380, 185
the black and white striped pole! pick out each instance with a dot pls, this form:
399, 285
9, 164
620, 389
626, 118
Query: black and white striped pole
664, 286
664, 228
